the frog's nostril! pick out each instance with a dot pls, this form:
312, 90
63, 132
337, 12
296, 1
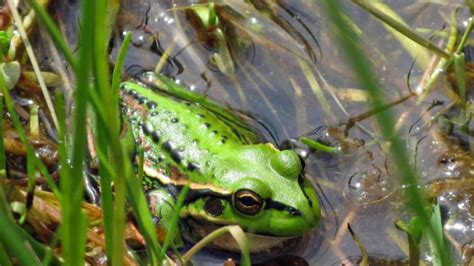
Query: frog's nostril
294, 211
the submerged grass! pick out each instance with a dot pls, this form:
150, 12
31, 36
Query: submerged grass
318, 145
401, 27
348, 42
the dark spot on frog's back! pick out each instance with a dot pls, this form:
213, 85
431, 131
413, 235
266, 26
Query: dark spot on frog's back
136, 95
147, 129
192, 166
167, 145
224, 139
174, 153
155, 136
151, 105
142, 100
174, 120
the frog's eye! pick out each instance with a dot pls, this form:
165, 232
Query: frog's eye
247, 202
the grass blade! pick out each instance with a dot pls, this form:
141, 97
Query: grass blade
318, 145
439, 255
170, 235
13, 239
363, 250
111, 143
235, 231
120, 62
4, 258
72, 186
3, 159
141, 210
459, 66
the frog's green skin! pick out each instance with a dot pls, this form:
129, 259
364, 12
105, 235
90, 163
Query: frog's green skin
232, 179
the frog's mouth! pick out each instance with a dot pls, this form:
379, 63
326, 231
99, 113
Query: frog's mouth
258, 243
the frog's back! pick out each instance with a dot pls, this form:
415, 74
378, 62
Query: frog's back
176, 134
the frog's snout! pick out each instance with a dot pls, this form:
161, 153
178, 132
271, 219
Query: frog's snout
309, 216
297, 220
309, 207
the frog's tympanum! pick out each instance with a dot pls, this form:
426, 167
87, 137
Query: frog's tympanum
233, 179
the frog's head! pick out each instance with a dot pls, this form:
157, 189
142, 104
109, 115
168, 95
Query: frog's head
267, 193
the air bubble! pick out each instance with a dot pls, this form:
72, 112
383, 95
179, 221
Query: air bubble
368, 186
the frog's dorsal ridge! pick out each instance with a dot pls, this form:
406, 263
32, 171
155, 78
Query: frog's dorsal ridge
166, 85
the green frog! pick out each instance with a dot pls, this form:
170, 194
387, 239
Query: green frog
233, 178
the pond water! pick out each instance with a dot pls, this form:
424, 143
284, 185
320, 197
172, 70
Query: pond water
289, 77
